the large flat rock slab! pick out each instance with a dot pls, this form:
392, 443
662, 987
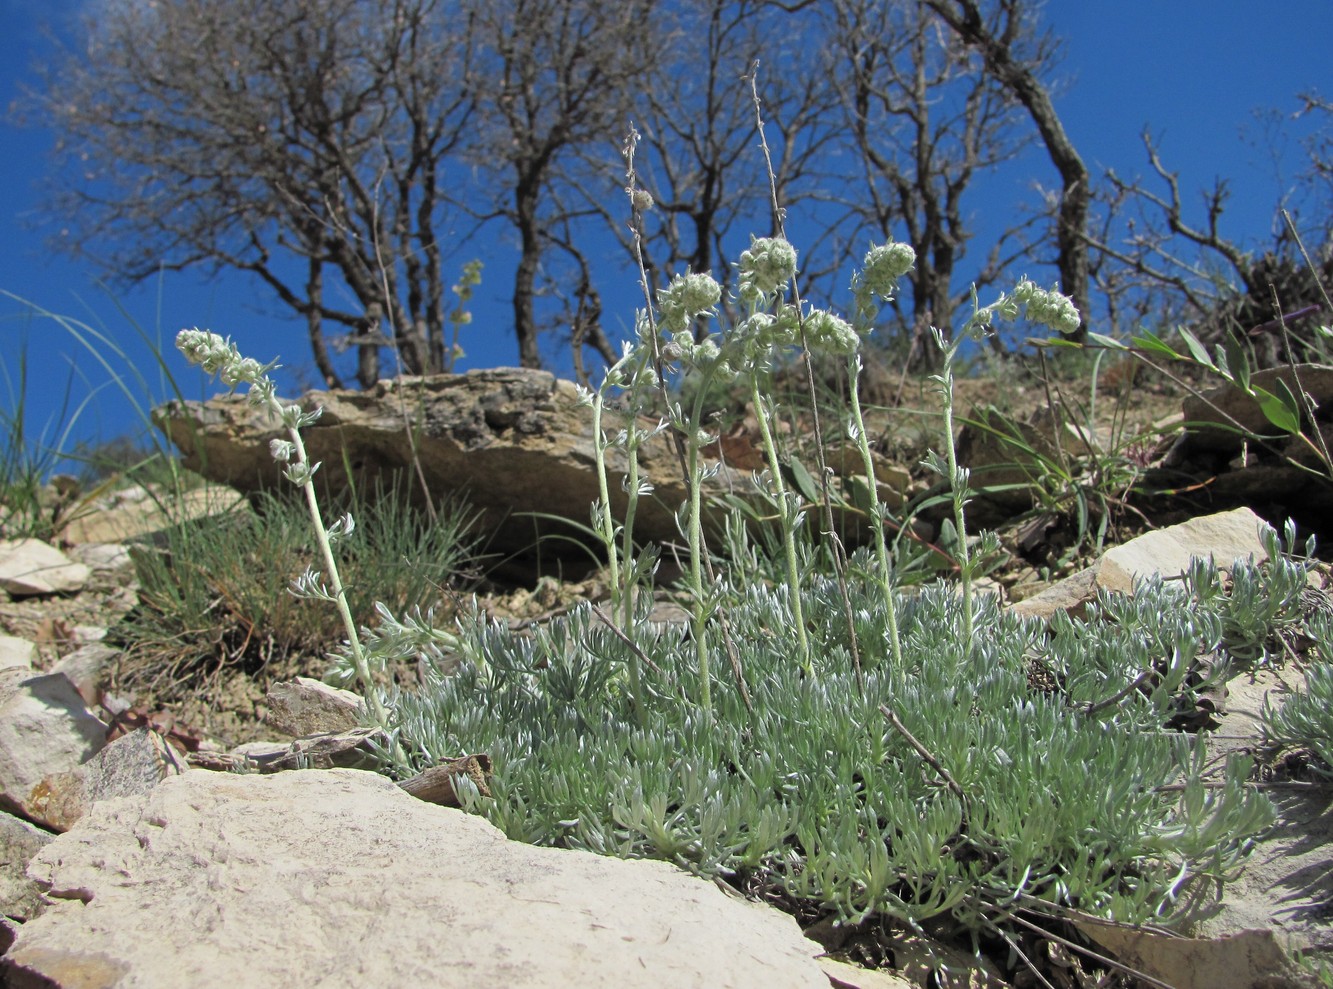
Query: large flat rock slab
511, 440
1224, 538
338, 878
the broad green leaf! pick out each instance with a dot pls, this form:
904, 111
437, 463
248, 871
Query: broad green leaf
1282, 411
860, 493
804, 481
1110, 343
1237, 363
1197, 349
1152, 343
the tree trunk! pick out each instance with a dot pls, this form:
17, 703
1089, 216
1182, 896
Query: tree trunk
1076, 191
315, 325
525, 278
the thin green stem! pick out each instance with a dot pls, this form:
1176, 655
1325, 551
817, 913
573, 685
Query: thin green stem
958, 489
334, 578
787, 517
877, 516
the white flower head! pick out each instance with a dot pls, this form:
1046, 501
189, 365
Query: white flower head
884, 265
1050, 308
210, 351
830, 334
281, 450
686, 297
766, 268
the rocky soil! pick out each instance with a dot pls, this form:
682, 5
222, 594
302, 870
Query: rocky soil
248, 873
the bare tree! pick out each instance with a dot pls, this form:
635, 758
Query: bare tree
248, 135
923, 120
1017, 56
1163, 265
550, 77
700, 152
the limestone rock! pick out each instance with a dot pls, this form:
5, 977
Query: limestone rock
16, 652
19, 842
45, 729
512, 440
88, 668
102, 556
338, 878
844, 976
1285, 886
135, 512
132, 764
308, 707
1226, 537
30, 567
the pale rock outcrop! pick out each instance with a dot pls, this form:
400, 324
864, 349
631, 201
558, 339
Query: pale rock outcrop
45, 729
30, 567
512, 440
338, 878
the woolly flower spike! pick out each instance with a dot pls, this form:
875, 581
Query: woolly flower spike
218, 355
686, 297
765, 268
884, 265
210, 351
830, 334
1047, 307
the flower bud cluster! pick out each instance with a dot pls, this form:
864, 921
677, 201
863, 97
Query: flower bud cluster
1050, 308
883, 266
218, 355
765, 269
830, 334
685, 298
878, 279
754, 338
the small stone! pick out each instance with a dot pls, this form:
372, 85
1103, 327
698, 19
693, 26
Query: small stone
16, 652
45, 729
1224, 537
308, 707
30, 567
87, 668
132, 764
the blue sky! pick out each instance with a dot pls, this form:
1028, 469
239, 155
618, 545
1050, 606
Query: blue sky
1192, 72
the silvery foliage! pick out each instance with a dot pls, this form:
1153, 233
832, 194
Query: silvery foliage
1304, 719
814, 795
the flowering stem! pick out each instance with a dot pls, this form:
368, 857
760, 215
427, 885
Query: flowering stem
699, 622
762, 410
605, 525
335, 580
958, 489
877, 513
